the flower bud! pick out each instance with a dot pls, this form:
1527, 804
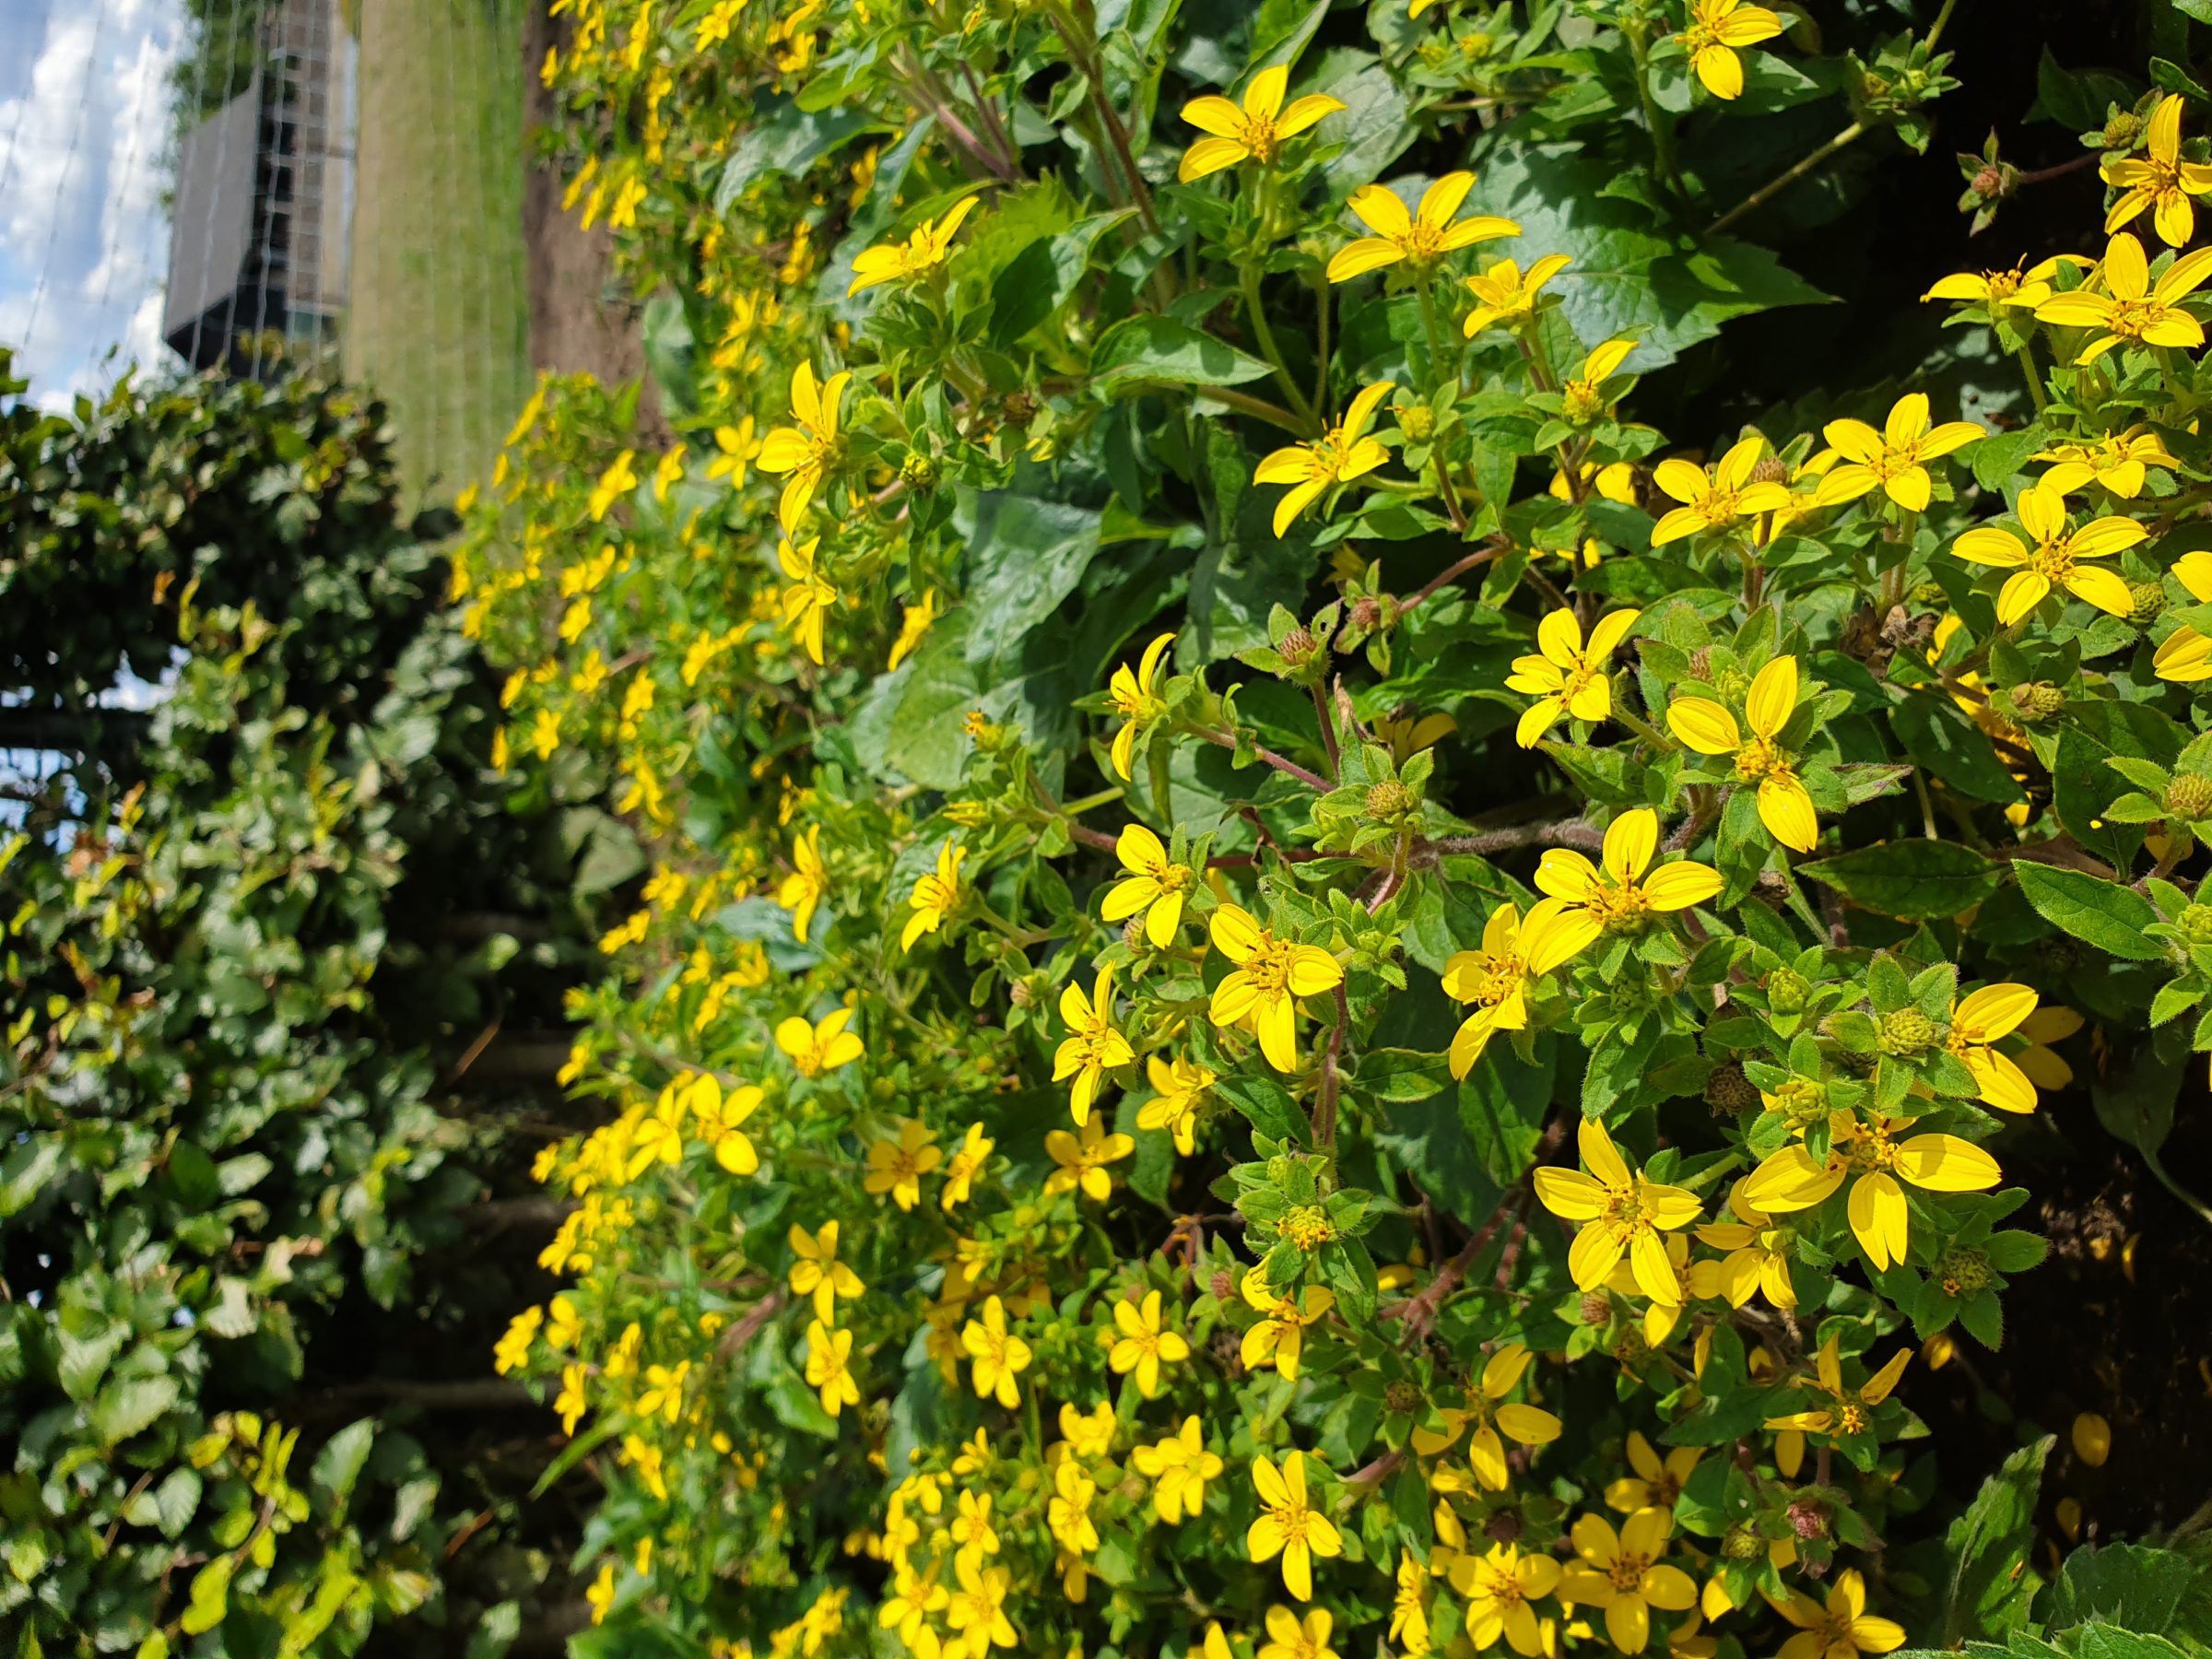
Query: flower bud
1961, 1272
2196, 923
1906, 1031
1596, 1309
1771, 469
1740, 1543
1367, 611
919, 472
2093, 1438
2036, 700
1222, 1284
1133, 932
2145, 600
1298, 647
2122, 131
1019, 408
1503, 1527
2189, 796
1418, 421
1929, 595
1808, 1519
1727, 1089
1389, 799
1786, 991
1307, 1226
1988, 183
1401, 1397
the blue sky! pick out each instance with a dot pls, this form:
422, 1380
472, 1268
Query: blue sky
84, 241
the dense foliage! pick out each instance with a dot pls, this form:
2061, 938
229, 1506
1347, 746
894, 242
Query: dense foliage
1305, 989
237, 1187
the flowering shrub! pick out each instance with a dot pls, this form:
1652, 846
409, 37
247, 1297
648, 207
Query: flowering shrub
1302, 990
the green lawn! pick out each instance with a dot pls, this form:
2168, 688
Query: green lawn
440, 319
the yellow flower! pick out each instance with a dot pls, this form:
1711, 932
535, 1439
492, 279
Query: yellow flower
2183, 656
1288, 1524
1850, 1413
1497, 1588
1630, 895
1082, 1164
1422, 237
1565, 676
1495, 1419
916, 621
808, 599
600, 1593
822, 1047
1409, 1608
1790, 1180
999, 1355
513, 1350
1146, 1343
1290, 1638
817, 1272
1088, 1434
1992, 289
914, 1596
1718, 30
923, 252
936, 895
1137, 699
2159, 180
570, 1401
1179, 1466
2051, 563
1615, 481
1757, 1258
719, 1118
967, 1163
2135, 310
1093, 1047
1895, 458
828, 1354
805, 451
1712, 501
1179, 1086
807, 885
1280, 1336
1270, 977
564, 1328
1620, 1213
714, 28
1785, 806
979, 1610
1153, 886
1340, 454
735, 447
1582, 398
1255, 131
1843, 1629
1655, 1484
971, 1527
1625, 1573
897, 1167
2118, 461
615, 483
2046, 1068
1503, 295
1515, 952
670, 470
1406, 736
1977, 1023
1067, 1512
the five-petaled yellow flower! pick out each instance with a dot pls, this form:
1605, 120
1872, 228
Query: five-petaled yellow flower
1179, 1466
1713, 501
735, 447
923, 252
1704, 726
1271, 975
808, 883
1178, 1088
1503, 295
2158, 179
1136, 697
822, 1047
967, 1160
2117, 462
1280, 1336
1094, 1045
1255, 131
1342, 453
1758, 1259
1145, 1343
1496, 1420
1566, 676
1625, 1574
1620, 1212
2051, 563
936, 894
1288, 1525
897, 1167
1894, 459
1081, 1163
1422, 237
999, 1355
1978, 1023
1879, 1155
1289, 1637
1852, 1409
2135, 308
807, 450
807, 600
1515, 952
1718, 30
1995, 289
1582, 398
829, 1358
1498, 1588
817, 1272
1622, 894
1842, 1630
1154, 886
1657, 1482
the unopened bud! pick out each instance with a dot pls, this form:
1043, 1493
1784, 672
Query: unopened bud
1988, 183
1389, 799
1786, 991
1504, 1527
1221, 1284
2196, 923
1298, 647
2122, 131
2189, 796
2145, 600
1021, 994
1740, 1543
1906, 1031
1929, 595
2036, 700
1597, 1308
919, 471
1807, 1519
1418, 421
1401, 1397
1133, 932
1770, 469
1367, 611
1962, 1272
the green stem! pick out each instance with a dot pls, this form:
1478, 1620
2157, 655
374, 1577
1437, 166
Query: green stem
1805, 911
1661, 124
1942, 17
1259, 408
1158, 760
1642, 729
1266, 336
1774, 187
2175, 1187
1436, 344
2035, 380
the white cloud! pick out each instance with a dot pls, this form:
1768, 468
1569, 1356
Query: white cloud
83, 234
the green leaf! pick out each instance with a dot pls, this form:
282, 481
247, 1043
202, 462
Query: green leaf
1156, 350
29, 1165
1395, 1073
1997, 460
785, 139
1502, 1101
1024, 557
2138, 1106
338, 1465
797, 1407
129, 1404
2103, 914
1268, 1104
908, 723
1426, 1137
210, 1597
1037, 280
1915, 880
1950, 746
1987, 1581
2128, 1584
